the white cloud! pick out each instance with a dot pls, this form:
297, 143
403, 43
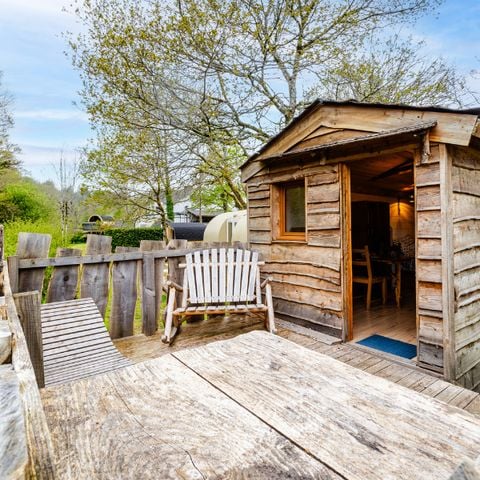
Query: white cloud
52, 114
41, 162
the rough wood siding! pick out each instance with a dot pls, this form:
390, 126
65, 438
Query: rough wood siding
429, 261
259, 219
466, 234
306, 275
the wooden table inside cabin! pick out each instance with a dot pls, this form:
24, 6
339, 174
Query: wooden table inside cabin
254, 407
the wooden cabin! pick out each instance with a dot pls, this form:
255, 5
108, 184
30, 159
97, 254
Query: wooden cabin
403, 181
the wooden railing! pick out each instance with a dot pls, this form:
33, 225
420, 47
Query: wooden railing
26, 449
119, 282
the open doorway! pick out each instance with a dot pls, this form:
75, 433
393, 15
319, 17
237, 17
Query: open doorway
383, 253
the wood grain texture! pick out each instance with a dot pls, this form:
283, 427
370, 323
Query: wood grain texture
28, 309
96, 277
466, 264
124, 295
64, 280
159, 419
352, 411
5, 341
39, 444
32, 245
13, 441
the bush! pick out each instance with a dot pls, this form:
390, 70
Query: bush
24, 201
78, 237
130, 237
12, 229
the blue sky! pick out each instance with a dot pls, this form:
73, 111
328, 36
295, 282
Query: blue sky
44, 84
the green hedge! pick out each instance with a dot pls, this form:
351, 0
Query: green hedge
130, 237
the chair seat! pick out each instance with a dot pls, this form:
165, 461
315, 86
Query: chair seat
221, 308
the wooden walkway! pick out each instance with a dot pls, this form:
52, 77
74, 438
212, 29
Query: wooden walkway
139, 348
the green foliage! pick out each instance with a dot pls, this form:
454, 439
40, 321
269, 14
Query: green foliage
24, 201
130, 237
78, 237
12, 229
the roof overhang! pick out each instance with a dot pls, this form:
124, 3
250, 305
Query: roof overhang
349, 149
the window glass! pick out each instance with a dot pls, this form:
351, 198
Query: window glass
294, 208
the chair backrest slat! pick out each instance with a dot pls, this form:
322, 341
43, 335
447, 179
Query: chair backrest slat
206, 277
245, 272
221, 275
192, 288
237, 281
252, 277
230, 274
214, 275
199, 277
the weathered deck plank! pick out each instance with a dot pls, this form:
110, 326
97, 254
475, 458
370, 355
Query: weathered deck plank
159, 420
329, 408
139, 348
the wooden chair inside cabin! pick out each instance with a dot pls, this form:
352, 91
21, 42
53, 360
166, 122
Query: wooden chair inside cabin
219, 281
361, 259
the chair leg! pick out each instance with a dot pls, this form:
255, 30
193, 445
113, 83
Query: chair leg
270, 314
384, 291
369, 295
166, 337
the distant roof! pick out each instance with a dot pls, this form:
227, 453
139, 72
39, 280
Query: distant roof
318, 102
101, 218
188, 230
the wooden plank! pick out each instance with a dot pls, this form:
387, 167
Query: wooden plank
5, 341
222, 266
156, 246
198, 277
28, 309
252, 277
64, 281
149, 319
13, 441
124, 296
177, 250
207, 285
429, 436
32, 245
215, 279
230, 275
238, 275
40, 449
95, 277
224, 441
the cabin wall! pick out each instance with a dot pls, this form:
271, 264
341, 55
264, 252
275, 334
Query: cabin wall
306, 275
429, 260
466, 245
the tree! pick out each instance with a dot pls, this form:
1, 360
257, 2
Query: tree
134, 169
8, 150
227, 75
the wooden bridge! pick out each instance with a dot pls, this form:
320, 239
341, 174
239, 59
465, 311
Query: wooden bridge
225, 401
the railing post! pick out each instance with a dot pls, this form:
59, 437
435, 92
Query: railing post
28, 309
149, 320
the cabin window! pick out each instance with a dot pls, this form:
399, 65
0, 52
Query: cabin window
291, 198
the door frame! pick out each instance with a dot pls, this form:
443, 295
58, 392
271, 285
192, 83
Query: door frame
346, 243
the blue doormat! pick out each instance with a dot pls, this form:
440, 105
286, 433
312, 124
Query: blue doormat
389, 345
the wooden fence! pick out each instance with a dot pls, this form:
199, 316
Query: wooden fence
122, 280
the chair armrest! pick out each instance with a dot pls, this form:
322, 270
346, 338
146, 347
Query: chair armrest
176, 286
267, 280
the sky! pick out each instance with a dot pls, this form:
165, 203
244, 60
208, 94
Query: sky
36, 71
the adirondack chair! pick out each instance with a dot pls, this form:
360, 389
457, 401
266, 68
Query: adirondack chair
219, 281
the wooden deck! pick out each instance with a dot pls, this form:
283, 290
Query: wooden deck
139, 348
256, 406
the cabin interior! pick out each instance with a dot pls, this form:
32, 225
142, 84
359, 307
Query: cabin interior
383, 222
